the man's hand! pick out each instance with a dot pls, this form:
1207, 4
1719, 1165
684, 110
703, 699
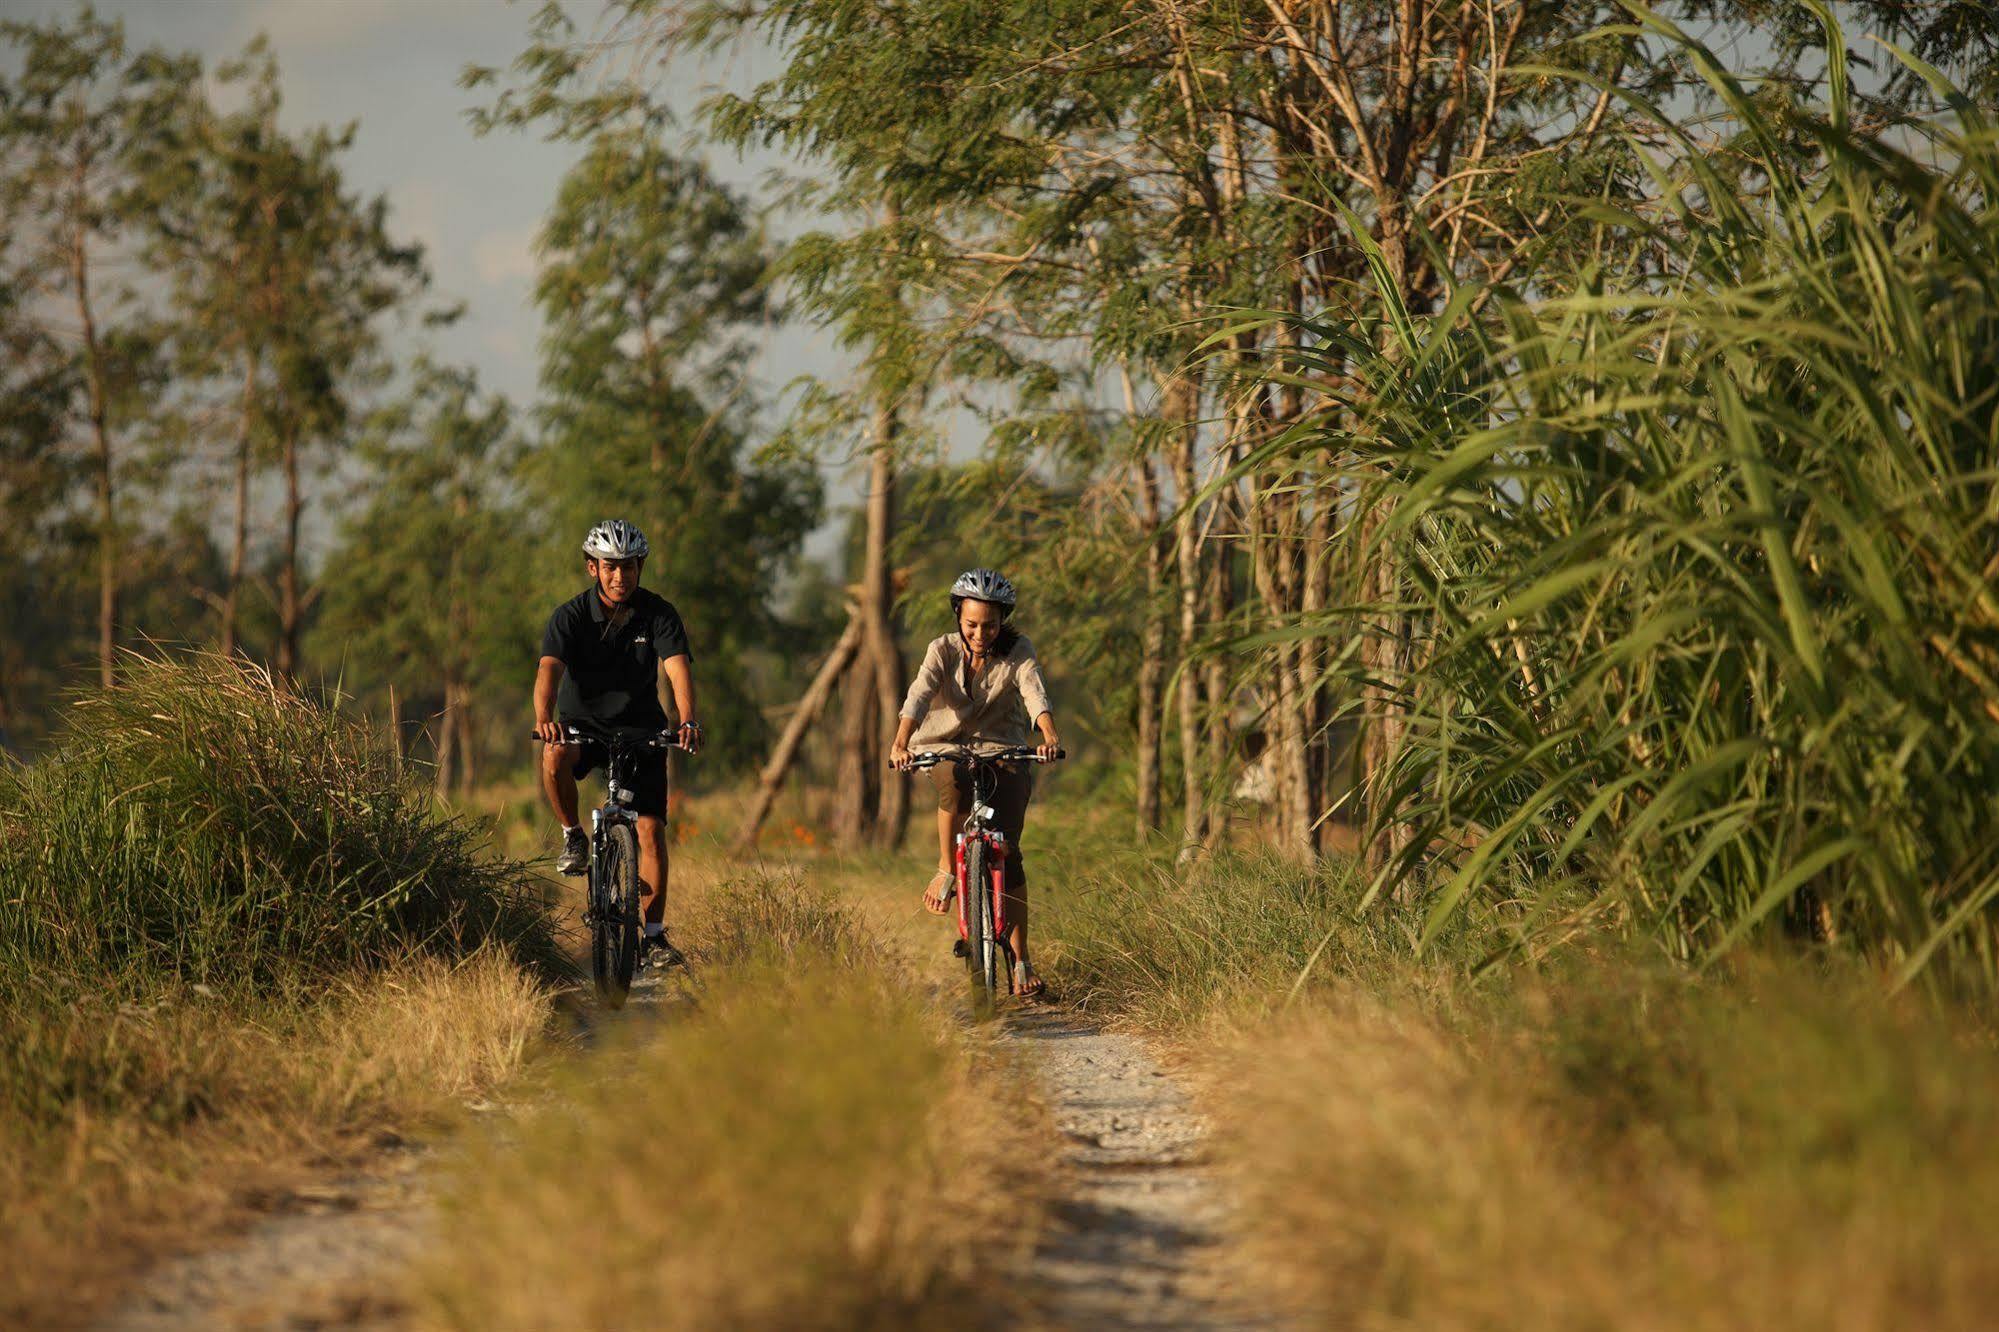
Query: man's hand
550, 730
898, 757
690, 737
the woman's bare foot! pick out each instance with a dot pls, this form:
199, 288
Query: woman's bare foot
937, 897
1026, 984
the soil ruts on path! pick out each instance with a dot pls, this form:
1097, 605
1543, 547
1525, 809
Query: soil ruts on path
316, 1261
333, 1254
1137, 1229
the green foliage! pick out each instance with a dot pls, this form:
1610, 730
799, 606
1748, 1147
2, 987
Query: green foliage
207, 824
649, 272
427, 588
1699, 564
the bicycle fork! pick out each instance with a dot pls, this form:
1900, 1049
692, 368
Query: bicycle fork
996, 854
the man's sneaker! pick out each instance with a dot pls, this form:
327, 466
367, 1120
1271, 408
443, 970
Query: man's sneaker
656, 950
575, 857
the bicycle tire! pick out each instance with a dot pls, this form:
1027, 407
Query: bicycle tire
615, 934
984, 951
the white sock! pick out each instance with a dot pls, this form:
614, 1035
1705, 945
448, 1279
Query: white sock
569, 828
654, 929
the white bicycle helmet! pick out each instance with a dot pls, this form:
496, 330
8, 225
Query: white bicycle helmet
984, 585
616, 539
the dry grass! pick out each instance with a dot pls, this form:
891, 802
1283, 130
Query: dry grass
1621, 1148
812, 1149
135, 1129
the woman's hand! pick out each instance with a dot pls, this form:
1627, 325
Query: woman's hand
898, 756
1050, 746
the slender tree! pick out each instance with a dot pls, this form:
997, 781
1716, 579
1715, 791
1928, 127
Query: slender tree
74, 120
425, 598
651, 275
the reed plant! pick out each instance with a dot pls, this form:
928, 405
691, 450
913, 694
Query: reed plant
1695, 549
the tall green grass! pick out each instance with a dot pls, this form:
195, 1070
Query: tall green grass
1697, 589
1235, 935
206, 823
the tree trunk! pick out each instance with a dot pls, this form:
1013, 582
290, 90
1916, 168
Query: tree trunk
468, 772
396, 728
884, 653
239, 547
1284, 723
290, 608
99, 411
1152, 651
447, 739
1218, 599
858, 796
1181, 398
1315, 560
1381, 661
809, 707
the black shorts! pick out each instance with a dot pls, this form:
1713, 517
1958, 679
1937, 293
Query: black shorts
647, 774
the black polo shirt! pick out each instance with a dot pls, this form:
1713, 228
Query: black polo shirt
612, 669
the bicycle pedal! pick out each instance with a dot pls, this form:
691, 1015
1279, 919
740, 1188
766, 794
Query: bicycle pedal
959, 948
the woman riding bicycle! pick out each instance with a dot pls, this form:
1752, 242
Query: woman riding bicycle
979, 687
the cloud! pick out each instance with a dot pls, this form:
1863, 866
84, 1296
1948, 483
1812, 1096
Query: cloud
501, 256
319, 25
417, 212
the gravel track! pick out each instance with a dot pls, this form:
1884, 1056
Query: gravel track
1138, 1229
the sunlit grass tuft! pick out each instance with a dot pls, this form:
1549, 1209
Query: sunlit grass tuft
810, 1150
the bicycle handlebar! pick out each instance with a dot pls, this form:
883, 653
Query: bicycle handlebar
575, 732
930, 758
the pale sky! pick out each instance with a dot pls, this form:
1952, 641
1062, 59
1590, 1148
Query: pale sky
475, 203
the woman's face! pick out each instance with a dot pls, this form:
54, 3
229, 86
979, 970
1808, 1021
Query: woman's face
979, 622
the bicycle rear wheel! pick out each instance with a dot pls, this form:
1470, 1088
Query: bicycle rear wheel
982, 951
614, 933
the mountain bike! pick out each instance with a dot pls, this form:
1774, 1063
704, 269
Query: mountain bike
612, 907
980, 859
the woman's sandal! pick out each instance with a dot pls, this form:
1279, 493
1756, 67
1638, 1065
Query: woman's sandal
945, 880
1027, 985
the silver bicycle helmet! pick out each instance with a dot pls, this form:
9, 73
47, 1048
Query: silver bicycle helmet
984, 585
616, 539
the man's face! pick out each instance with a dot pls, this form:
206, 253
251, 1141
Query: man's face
616, 579
979, 622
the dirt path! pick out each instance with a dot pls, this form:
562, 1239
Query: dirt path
331, 1254
1134, 1240
1138, 1228
314, 1262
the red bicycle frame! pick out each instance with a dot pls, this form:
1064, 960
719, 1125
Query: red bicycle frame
995, 870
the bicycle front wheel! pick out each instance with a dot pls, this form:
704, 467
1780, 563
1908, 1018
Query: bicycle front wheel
614, 938
982, 950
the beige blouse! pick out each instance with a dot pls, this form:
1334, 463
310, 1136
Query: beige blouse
995, 710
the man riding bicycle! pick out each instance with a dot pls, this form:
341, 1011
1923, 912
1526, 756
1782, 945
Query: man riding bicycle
602, 657
980, 687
